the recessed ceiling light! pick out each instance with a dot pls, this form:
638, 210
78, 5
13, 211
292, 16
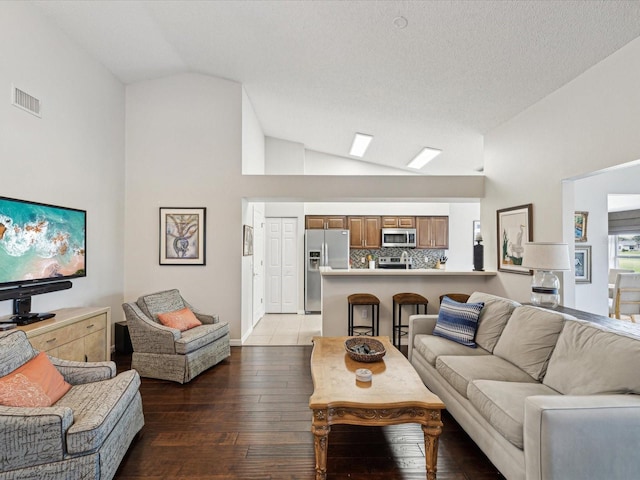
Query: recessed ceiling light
425, 156
360, 144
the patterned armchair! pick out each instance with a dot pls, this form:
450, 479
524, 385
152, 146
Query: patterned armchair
167, 353
83, 435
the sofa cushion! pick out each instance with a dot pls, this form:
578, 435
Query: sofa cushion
502, 405
590, 359
493, 318
529, 338
431, 348
458, 321
195, 338
97, 407
458, 371
15, 350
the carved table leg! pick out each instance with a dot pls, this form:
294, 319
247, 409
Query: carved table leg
320, 429
432, 431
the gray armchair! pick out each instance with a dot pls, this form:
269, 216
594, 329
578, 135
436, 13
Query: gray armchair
84, 435
167, 353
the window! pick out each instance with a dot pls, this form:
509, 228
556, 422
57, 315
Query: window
624, 251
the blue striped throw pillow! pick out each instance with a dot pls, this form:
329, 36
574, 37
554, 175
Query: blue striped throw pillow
458, 321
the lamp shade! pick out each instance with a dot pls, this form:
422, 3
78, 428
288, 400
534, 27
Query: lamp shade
546, 256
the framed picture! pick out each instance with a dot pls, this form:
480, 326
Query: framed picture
247, 240
582, 263
476, 231
580, 226
182, 236
515, 228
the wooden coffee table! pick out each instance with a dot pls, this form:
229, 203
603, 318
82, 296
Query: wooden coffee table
395, 395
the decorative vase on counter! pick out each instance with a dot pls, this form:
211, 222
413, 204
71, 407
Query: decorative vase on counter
478, 254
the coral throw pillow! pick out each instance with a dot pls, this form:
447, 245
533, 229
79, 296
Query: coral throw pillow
37, 383
181, 319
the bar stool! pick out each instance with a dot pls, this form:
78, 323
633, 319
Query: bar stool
401, 299
456, 297
364, 299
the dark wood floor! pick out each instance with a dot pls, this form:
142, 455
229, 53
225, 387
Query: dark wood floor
249, 418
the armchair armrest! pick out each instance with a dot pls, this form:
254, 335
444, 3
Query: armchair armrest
32, 436
146, 335
77, 373
575, 437
203, 317
420, 325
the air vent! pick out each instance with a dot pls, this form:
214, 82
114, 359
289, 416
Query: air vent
26, 102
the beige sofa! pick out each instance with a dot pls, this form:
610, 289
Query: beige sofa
544, 395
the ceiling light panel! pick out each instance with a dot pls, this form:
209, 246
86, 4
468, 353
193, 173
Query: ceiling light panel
360, 144
425, 156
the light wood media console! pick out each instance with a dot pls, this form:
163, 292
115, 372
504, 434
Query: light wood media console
82, 334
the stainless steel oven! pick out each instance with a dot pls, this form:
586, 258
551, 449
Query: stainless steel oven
399, 237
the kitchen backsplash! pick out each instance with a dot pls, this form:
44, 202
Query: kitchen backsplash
421, 258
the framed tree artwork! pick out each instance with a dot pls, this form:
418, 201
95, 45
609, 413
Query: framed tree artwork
515, 228
182, 236
580, 226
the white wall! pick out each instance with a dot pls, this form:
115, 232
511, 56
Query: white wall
184, 149
586, 126
591, 196
319, 163
253, 150
74, 155
283, 157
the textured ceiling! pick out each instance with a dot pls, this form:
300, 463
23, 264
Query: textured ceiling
318, 71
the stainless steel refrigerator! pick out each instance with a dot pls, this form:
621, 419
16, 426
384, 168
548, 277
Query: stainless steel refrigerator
322, 248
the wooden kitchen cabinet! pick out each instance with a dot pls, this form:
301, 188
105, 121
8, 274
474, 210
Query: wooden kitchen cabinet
398, 222
324, 222
364, 232
79, 334
433, 232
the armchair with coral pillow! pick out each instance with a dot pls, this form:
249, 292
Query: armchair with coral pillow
63, 419
171, 339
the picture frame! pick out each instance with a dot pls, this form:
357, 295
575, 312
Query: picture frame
247, 240
515, 228
580, 226
183, 236
582, 263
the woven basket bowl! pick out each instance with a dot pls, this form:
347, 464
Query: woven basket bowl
373, 344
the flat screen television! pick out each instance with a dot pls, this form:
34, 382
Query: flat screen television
41, 247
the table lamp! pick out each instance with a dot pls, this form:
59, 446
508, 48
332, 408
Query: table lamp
544, 259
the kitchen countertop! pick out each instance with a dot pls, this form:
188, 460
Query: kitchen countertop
383, 272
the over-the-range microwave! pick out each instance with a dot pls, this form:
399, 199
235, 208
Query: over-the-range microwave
399, 237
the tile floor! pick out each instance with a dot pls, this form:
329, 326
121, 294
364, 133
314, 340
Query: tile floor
285, 329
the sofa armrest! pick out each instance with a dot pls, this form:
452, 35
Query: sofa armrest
575, 437
32, 436
420, 325
148, 336
78, 373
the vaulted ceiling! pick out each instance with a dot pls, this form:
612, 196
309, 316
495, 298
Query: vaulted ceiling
438, 74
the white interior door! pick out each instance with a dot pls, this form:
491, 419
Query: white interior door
274, 265
289, 265
282, 265
258, 266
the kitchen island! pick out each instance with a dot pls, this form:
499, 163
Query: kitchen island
337, 285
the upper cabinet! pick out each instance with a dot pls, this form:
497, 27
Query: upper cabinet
398, 222
433, 232
365, 232
324, 222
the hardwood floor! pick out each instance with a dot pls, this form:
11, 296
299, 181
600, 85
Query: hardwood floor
249, 418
